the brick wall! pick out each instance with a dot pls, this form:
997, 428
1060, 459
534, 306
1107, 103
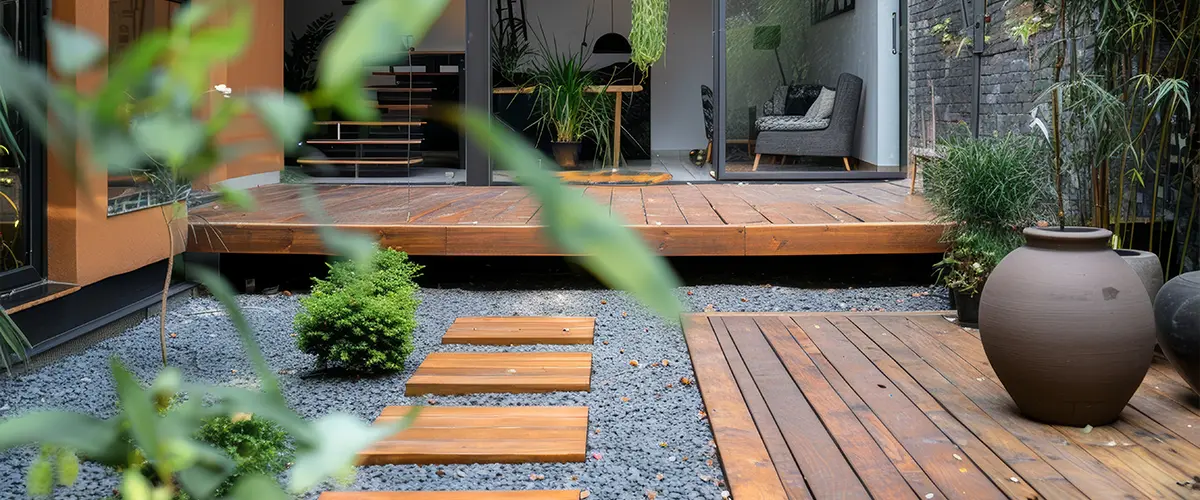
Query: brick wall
1013, 74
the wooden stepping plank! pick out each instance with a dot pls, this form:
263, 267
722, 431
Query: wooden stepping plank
483, 434
452, 495
448, 373
520, 330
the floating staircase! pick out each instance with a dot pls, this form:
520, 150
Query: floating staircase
392, 145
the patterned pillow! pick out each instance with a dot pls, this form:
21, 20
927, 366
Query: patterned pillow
789, 123
776, 105
823, 108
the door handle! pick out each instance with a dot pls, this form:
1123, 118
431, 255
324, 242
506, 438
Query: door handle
895, 34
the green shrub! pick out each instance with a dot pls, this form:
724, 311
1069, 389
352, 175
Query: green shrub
256, 445
359, 320
987, 190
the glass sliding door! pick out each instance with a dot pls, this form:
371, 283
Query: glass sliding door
809, 89
22, 159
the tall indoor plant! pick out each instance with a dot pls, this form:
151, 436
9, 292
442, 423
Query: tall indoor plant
565, 103
985, 190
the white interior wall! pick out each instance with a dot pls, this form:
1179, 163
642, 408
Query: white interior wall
675, 110
860, 42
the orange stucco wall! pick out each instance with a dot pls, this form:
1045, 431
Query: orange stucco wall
84, 244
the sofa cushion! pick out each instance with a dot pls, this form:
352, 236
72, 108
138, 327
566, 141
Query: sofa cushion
823, 108
789, 123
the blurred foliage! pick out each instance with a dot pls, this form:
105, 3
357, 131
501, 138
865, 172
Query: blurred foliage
362, 321
147, 107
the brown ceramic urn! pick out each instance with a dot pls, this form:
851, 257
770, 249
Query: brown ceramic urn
1067, 326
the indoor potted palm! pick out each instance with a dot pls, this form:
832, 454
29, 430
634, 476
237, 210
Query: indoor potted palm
565, 102
985, 190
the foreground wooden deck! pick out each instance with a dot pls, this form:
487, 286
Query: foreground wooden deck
678, 220
906, 406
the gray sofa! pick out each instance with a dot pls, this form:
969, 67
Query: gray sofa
795, 136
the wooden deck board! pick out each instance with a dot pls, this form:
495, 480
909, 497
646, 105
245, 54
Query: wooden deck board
914, 409
677, 220
512, 372
520, 330
465, 435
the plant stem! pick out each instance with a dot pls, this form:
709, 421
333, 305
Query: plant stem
1056, 112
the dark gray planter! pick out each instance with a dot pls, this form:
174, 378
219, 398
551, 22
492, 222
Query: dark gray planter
1148, 268
1177, 319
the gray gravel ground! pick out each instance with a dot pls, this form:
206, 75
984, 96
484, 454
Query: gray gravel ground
624, 458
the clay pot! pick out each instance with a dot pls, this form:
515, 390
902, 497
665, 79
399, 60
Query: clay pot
967, 305
566, 153
1066, 327
1148, 268
1177, 315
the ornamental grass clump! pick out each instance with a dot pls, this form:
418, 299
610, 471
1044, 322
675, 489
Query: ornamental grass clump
361, 319
986, 190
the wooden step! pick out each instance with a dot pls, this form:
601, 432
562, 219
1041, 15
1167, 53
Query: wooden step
389, 88
366, 142
402, 107
452, 495
414, 73
446, 373
483, 434
372, 124
359, 161
520, 330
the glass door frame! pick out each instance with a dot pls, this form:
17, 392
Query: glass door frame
33, 185
899, 33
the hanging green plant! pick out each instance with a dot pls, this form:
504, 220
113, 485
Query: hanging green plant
648, 38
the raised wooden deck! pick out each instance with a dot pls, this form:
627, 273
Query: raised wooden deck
907, 406
677, 220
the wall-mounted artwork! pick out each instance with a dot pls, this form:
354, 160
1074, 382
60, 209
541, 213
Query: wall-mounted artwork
825, 9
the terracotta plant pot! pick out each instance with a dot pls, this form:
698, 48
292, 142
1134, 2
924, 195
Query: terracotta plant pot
1177, 314
1066, 327
1148, 268
567, 153
967, 305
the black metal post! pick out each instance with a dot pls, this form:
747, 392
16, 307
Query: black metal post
477, 93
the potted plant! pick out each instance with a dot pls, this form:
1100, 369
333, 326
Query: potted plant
566, 107
965, 267
985, 190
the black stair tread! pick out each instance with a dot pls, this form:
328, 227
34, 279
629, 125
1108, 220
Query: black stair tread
380, 142
389, 88
373, 124
359, 161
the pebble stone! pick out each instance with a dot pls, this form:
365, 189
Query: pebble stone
643, 436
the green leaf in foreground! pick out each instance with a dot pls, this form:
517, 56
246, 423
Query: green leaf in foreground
72, 50
614, 253
373, 33
340, 438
